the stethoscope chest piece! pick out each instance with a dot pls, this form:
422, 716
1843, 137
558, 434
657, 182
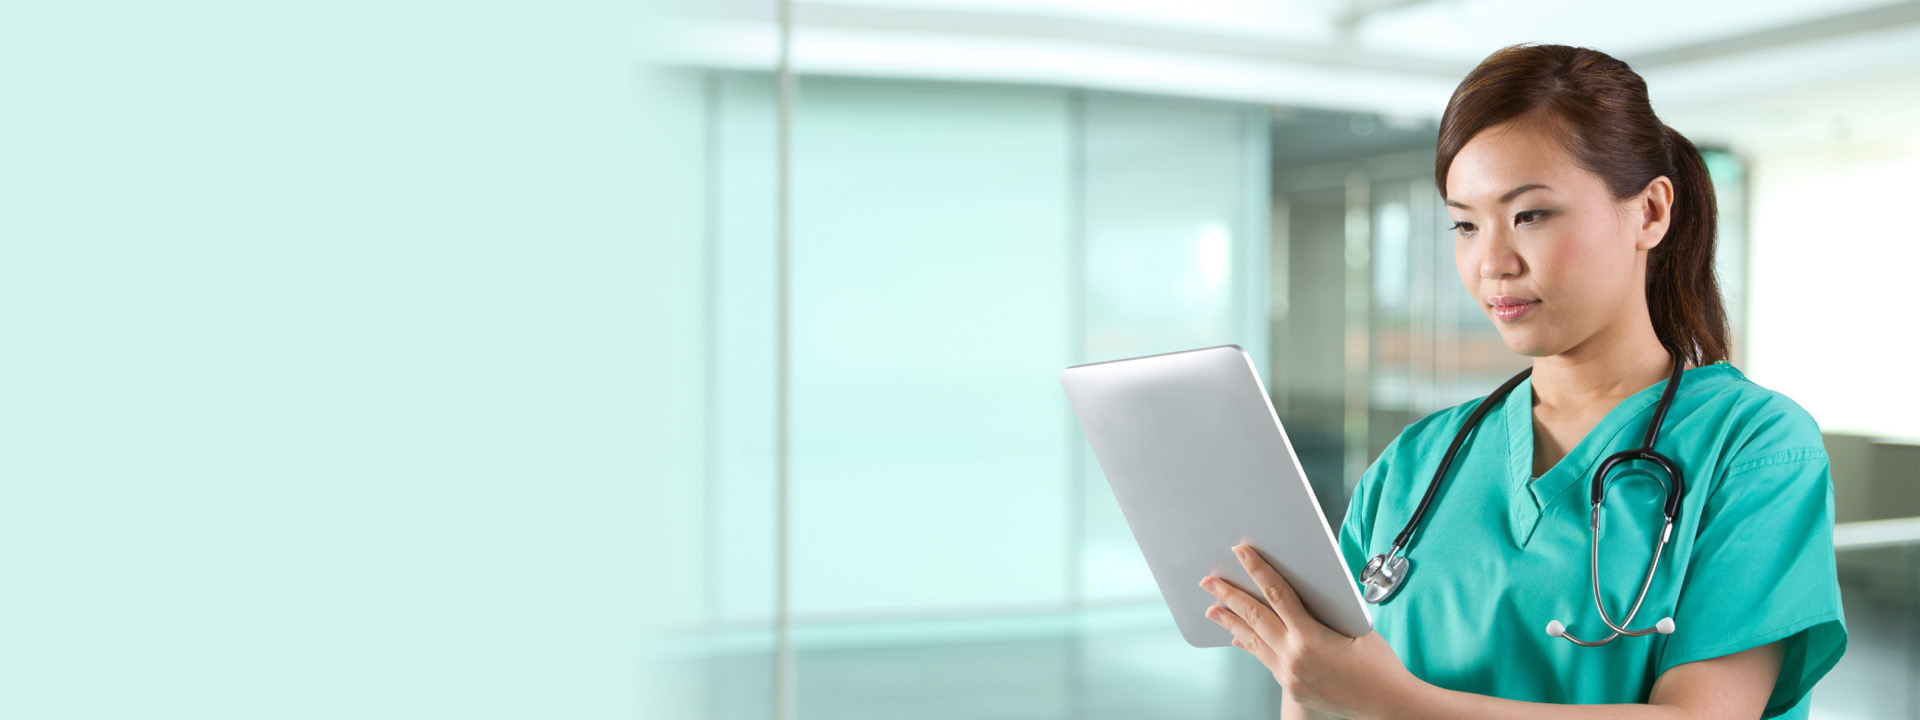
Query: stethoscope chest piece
1382, 576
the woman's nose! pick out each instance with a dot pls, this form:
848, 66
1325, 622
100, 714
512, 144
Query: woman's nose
1490, 272
1497, 257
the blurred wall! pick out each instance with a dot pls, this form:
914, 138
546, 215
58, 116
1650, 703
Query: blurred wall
954, 247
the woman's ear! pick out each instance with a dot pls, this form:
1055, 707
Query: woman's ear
1654, 209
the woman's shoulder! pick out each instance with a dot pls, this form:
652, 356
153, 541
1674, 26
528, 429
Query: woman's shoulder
1438, 426
1754, 423
1443, 422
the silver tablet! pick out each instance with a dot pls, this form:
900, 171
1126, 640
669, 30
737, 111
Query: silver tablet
1195, 454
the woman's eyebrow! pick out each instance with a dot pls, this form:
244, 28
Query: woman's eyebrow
1504, 199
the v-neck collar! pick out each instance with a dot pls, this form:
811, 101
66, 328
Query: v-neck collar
1528, 499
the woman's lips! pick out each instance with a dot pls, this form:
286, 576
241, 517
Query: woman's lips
1509, 309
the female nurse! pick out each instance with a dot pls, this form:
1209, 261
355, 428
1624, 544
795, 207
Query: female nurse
1584, 228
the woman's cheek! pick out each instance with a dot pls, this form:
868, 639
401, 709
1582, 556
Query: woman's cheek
1586, 272
1469, 268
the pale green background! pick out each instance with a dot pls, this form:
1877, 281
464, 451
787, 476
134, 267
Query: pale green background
325, 370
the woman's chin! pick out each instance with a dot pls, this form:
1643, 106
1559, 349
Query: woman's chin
1526, 343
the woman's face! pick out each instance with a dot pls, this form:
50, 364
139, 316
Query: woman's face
1552, 259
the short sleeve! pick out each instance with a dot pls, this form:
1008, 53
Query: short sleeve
1355, 535
1762, 569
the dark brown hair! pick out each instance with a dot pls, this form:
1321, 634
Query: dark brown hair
1598, 107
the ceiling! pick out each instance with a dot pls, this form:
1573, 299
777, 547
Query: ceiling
1747, 73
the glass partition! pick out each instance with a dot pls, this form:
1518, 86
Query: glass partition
950, 542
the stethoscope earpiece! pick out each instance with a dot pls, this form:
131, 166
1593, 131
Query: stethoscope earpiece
1555, 629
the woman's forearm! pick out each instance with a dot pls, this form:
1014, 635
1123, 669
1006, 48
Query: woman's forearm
1290, 710
1722, 688
1431, 702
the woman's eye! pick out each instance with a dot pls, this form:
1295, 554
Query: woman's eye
1529, 216
1462, 227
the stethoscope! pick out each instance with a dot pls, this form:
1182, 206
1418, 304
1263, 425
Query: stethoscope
1384, 573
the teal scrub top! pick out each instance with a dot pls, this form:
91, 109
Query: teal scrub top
1500, 553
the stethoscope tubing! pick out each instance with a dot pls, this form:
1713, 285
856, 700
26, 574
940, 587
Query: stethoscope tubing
1453, 449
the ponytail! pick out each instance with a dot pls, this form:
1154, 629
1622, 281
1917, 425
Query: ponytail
1683, 294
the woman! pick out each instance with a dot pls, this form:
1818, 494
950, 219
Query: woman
1585, 229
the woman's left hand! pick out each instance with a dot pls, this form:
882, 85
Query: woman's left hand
1322, 669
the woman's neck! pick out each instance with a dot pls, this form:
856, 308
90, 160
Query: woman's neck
1600, 372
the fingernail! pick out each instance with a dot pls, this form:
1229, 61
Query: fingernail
1240, 551
1204, 581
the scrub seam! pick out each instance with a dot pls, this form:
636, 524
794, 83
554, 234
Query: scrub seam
1780, 458
1789, 457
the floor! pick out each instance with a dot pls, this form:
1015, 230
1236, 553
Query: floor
1127, 662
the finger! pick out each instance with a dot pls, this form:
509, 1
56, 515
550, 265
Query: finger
1275, 589
1266, 625
1249, 641
1243, 635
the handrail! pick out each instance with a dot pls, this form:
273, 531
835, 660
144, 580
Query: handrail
1867, 534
